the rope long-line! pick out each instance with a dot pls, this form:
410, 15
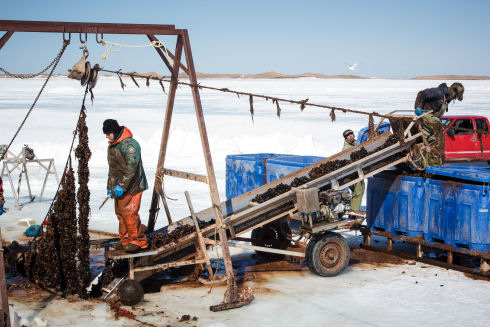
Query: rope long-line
302, 103
58, 58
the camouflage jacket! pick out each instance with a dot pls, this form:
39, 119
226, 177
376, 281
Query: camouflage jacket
434, 99
125, 165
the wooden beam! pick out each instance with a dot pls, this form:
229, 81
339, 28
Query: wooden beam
85, 27
185, 175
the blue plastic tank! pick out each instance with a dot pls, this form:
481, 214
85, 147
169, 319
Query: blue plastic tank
245, 172
282, 166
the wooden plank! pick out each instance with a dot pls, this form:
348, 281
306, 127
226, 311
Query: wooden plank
185, 175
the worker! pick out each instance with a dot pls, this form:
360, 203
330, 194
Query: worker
126, 183
2, 200
436, 100
358, 188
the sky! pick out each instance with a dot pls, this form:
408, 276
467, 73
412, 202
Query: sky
388, 39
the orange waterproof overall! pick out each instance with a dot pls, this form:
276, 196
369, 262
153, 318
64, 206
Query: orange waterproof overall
127, 208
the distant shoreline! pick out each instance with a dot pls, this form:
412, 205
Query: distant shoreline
275, 75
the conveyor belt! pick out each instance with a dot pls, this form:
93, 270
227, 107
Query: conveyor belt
241, 215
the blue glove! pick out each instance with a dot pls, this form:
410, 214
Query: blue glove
118, 191
109, 193
419, 111
1, 208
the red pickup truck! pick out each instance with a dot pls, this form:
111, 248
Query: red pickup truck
464, 145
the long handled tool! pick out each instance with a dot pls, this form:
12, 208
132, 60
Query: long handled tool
107, 198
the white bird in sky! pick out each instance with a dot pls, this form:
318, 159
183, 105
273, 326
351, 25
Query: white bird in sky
353, 66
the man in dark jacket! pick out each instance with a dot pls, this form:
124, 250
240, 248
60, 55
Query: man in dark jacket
436, 100
126, 184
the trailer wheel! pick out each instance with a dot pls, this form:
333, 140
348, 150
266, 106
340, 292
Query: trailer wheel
274, 235
328, 255
130, 292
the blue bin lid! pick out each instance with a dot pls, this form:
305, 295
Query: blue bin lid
466, 173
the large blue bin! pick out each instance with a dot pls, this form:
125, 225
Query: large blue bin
395, 204
281, 166
457, 215
379, 202
245, 172
457, 212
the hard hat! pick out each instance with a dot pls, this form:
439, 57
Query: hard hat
347, 132
456, 90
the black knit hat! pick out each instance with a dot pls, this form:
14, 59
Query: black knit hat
111, 126
347, 132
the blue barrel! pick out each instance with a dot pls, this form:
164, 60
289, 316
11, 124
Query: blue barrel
282, 166
245, 172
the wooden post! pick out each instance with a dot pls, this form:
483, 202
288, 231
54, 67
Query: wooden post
202, 246
165, 134
5, 319
213, 188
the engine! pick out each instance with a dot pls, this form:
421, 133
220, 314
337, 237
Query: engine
324, 206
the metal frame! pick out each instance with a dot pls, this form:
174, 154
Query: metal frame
182, 45
21, 160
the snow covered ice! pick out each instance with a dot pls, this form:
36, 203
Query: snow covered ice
359, 296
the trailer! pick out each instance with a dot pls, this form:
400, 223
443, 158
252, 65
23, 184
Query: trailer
318, 206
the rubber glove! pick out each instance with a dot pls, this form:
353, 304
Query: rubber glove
109, 193
419, 111
118, 191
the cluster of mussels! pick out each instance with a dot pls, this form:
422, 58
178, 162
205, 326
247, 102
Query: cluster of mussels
83, 154
158, 240
323, 169
59, 258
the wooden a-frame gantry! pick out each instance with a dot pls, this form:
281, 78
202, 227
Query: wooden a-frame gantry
182, 46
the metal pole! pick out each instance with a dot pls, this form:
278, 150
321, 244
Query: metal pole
213, 188
5, 319
165, 134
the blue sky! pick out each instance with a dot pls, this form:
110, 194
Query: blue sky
395, 39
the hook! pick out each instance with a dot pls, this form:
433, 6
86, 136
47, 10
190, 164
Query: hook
69, 36
97, 36
83, 41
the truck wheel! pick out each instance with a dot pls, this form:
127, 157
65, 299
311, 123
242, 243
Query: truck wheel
130, 292
274, 235
328, 255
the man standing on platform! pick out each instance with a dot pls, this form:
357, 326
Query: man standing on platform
126, 183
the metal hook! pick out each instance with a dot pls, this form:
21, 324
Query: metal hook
97, 36
83, 41
69, 36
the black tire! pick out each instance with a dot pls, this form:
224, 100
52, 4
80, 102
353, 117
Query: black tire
328, 255
309, 248
274, 235
130, 292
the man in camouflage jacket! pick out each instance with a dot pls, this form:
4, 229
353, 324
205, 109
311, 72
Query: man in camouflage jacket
435, 100
126, 183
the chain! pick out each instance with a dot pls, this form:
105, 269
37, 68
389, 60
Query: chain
56, 61
27, 76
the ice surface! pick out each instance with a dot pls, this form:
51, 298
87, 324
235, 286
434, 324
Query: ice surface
359, 296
